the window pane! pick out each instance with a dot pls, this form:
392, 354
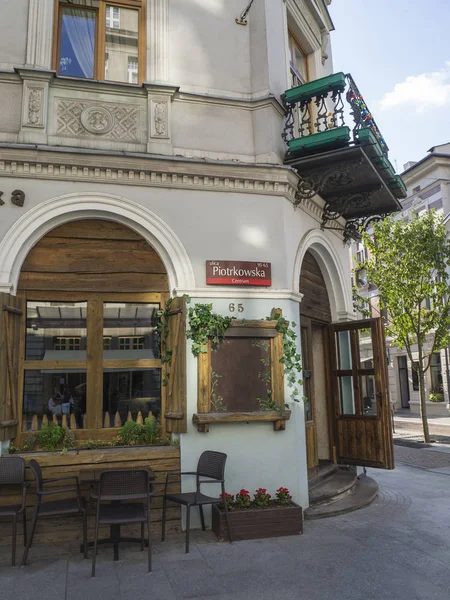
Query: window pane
130, 330
130, 391
77, 42
51, 394
56, 331
121, 44
347, 397
369, 401
344, 357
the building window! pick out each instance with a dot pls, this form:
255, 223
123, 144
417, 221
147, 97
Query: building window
112, 17
415, 378
97, 39
132, 69
298, 62
436, 373
135, 342
107, 343
67, 343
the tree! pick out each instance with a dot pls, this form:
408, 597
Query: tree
409, 263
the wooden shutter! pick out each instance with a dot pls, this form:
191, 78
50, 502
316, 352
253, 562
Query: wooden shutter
11, 311
174, 348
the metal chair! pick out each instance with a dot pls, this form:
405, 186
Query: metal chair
211, 465
12, 475
75, 505
115, 486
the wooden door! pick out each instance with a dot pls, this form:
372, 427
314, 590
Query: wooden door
312, 457
359, 384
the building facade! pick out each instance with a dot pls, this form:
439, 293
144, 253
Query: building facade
139, 141
427, 182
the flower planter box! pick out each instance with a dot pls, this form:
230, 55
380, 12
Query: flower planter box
254, 523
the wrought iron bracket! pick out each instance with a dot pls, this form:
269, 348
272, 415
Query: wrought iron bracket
241, 20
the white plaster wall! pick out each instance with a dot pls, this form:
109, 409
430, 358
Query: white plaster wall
258, 456
11, 98
208, 50
210, 225
13, 33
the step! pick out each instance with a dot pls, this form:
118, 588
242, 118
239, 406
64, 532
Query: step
332, 488
362, 494
324, 471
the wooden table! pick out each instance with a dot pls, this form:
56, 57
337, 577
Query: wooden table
92, 476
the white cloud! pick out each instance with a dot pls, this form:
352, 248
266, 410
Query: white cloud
424, 91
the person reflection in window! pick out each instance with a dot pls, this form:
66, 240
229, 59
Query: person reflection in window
55, 404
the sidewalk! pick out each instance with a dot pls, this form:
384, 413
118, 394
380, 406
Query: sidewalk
396, 548
406, 421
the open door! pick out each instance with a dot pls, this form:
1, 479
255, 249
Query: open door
359, 384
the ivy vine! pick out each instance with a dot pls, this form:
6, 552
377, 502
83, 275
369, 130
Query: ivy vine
163, 332
206, 326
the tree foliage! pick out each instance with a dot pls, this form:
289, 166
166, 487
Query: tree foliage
408, 261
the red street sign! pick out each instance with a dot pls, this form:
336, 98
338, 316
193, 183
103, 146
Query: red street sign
231, 272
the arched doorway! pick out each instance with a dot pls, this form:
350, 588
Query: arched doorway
91, 355
315, 316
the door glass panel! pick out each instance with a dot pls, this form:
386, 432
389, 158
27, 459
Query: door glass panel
344, 357
368, 394
130, 392
121, 44
77, 44
347, 395
54, 395
56, 331
130, 331
365, 348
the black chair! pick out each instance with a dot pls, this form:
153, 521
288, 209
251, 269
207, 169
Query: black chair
211, 465
12, 477
115, 486
75, 505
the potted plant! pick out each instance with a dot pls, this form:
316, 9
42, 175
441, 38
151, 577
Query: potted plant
259, 517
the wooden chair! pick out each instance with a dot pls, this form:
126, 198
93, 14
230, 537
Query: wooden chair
12, 476
71, 506
212, 466
115, 486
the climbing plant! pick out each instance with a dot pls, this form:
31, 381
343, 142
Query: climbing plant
206, 326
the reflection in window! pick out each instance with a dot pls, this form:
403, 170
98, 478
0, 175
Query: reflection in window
121, 44
132, 331
54, 395
130, 391
56, 331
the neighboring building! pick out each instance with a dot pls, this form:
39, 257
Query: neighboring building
141, 140
428, 187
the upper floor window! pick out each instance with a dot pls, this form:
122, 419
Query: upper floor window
298, 62
101, 39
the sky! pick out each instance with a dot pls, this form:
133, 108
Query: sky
398, 53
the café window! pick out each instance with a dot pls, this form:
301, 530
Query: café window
97, 39
91, 364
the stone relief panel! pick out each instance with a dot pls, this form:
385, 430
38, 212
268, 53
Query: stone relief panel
35, 106
159, 118
78, 118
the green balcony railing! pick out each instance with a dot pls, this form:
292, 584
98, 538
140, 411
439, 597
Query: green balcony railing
331, 113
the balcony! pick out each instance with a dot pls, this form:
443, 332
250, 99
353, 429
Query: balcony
338, 151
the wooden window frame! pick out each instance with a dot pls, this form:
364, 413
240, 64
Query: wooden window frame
95, 362
292, 40
262, 329
100, 38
